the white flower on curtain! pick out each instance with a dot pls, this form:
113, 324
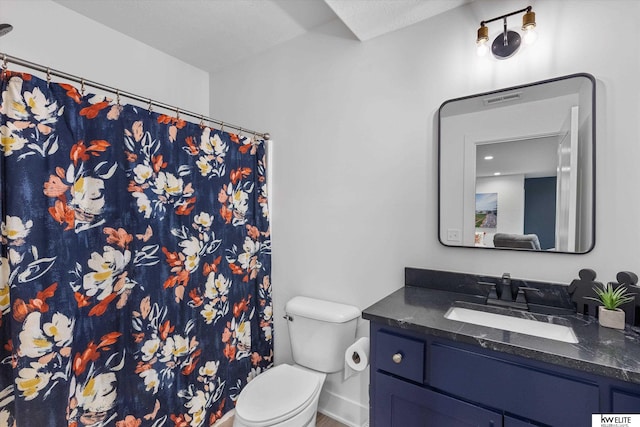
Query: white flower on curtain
11, 139
108, 273
32, 380
15, 229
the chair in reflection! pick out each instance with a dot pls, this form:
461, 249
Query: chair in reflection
516, 241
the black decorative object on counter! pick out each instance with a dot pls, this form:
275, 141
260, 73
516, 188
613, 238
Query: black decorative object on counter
582, 292
582, 289
629, 280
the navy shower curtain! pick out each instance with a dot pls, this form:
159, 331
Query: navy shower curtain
135, 271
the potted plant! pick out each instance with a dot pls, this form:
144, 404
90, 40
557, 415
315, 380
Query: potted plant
609, 313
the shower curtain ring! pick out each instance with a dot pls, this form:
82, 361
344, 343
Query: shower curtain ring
4, 62
118, 97
82, 86
240, 132
201, 121
150, 107
177, 113
48, 76
221, 126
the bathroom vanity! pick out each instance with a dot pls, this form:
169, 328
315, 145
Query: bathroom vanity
428, 370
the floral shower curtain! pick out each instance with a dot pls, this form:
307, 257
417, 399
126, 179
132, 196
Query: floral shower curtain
135, 271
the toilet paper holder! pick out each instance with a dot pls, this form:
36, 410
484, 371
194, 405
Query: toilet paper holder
356, 357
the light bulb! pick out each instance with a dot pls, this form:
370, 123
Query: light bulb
482, 48
530, 36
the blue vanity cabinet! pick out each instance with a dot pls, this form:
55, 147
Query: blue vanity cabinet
424, 380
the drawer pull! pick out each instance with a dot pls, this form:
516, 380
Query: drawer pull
397, 358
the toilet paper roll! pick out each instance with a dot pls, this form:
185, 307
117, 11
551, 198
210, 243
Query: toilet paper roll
356, 357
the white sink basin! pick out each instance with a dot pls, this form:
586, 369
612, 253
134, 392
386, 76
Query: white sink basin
514, 324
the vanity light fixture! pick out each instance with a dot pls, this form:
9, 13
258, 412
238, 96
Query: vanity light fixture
508, 42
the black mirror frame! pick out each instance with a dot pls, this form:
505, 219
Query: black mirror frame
593, 160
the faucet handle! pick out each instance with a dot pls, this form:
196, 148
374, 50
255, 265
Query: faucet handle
522, 297
492, 289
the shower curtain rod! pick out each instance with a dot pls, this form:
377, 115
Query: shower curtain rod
50, 71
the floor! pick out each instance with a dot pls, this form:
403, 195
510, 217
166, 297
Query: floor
321, 421
324, 421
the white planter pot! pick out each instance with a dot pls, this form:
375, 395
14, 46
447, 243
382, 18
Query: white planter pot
611, 318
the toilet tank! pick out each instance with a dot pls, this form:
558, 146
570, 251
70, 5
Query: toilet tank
320, 332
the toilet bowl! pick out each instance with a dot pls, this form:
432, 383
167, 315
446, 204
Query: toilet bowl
287, 395
284, 396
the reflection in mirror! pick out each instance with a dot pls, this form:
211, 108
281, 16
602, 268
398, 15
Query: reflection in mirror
516, 167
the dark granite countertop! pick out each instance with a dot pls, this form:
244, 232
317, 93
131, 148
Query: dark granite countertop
602, 351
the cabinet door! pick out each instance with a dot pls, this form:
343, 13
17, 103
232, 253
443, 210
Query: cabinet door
397, 403
625, 402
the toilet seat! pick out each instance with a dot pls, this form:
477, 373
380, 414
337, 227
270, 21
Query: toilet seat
277, 395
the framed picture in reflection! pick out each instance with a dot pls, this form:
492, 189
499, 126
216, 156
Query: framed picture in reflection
486, 210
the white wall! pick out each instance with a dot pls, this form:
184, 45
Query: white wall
355, 157
49, 34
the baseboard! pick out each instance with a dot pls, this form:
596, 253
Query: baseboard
226, 420
346, 411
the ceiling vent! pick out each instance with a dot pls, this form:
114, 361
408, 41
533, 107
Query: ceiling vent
513, 96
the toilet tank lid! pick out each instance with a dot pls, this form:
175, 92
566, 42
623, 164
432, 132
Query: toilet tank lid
317, 309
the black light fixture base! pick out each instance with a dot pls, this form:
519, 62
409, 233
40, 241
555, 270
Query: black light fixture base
5, 28
504, 51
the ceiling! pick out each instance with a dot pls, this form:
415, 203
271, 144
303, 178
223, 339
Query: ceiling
211, 34
533, 158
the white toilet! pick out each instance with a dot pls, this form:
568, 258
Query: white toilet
287, 395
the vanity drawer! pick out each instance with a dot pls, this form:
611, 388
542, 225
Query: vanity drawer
532, 393
400, 355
